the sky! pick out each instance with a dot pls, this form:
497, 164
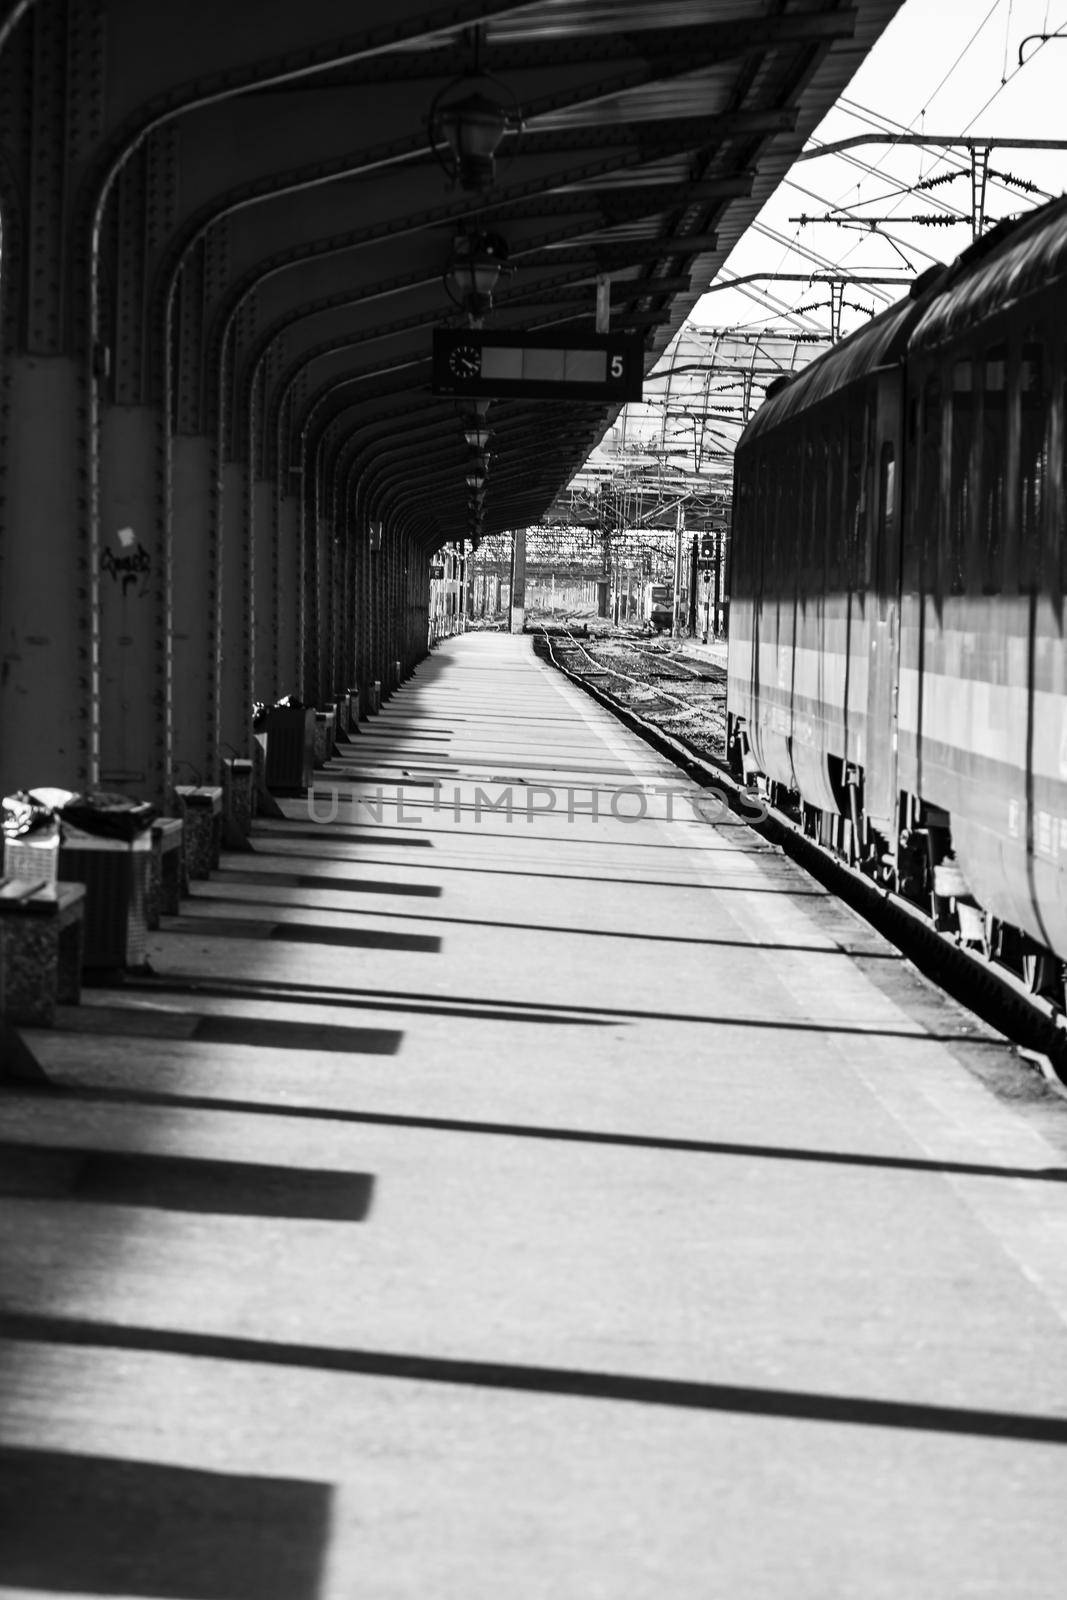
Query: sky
943, 68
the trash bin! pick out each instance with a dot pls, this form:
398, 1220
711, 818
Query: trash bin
107, 845
290, 733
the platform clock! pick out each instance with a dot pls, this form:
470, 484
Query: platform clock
465, 361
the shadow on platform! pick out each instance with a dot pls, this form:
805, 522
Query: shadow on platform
314, 994
306, 933
83, 1090
739, 1399
319, 880
182, 1183
94, 1525
263, 1033
379, 836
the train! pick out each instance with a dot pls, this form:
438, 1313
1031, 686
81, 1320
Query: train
659, 607
897, 668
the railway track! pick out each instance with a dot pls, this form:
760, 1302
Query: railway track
687, 723
670, 692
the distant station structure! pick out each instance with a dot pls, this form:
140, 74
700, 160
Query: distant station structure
659, 479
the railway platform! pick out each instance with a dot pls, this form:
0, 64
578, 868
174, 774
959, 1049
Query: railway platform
515, 1175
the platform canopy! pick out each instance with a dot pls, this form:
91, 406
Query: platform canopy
636, 140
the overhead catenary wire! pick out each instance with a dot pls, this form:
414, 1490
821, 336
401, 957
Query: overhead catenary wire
882, 123
1058, 33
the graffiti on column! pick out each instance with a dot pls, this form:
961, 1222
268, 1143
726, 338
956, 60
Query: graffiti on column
130, 565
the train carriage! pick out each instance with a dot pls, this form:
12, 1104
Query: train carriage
897, 660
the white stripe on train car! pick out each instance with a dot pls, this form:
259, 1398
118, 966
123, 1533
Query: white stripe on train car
962, 713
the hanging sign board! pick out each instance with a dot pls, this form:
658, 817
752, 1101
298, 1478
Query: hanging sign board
607, 367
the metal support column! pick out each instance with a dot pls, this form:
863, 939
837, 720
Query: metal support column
676, 613
289, 614
266, 609
518, 580
136, 754
235, 700
49, 729
195, 607
51, 91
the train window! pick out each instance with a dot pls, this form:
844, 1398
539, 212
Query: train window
806, 484
926, 512
993, 463
834, 491
1033, 454
757, 564
778, 520
750, 522
819, 461
886, 574
889, 488
957, 521
742, 523
854, 523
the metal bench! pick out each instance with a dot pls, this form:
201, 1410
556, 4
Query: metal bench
41, 941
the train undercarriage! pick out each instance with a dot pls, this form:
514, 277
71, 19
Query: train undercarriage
914, 861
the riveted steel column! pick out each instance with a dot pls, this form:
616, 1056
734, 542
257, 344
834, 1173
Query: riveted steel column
396, 610
352, 569
339, 564
290, 645
135, 732
327, 590
264, 513
385, 573
310, 593
135, 595
267, 669
194, 532
48, 661
291, 612
235, 537
51, 95
347, 664
236, 543
196, 616
373, 597
391, 601
389, 617
363, 597
402, 610
324, 548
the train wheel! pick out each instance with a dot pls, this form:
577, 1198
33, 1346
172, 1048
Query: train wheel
992, 938
942, 913
1042, 972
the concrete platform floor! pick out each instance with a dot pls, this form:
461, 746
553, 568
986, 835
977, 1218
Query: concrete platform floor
545, 1205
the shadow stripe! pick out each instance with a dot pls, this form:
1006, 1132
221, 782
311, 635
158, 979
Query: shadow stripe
58, 1088
799, 1405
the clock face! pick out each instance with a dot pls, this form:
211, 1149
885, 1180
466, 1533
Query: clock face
465, 361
